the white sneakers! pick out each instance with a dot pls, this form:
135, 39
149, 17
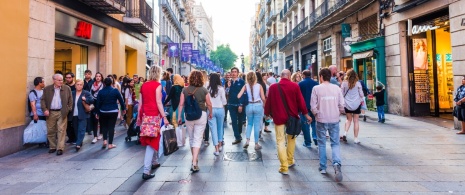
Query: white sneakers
94, 140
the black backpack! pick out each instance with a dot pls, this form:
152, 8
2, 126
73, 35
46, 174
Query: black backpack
29, 100
191, 107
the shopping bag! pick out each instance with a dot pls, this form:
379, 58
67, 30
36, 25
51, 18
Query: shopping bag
170, 142
35, 133
181, 135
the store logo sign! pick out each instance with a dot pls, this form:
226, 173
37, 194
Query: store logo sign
417, 29
83, 30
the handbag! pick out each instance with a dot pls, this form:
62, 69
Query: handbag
170, 142
87, 107
293, 124
150, 126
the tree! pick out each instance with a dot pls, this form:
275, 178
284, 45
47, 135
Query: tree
225, 56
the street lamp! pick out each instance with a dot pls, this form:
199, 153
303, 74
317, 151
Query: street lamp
242, 59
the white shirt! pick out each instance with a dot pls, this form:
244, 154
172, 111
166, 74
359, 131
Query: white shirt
56, 101
255, 94
128, 96
271, 80
220, 100
76, 113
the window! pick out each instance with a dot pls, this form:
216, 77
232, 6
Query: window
368, 28
327, 44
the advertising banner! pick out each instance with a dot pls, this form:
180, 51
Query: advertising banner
173, 49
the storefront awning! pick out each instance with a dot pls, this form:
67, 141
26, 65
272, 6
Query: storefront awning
362, 55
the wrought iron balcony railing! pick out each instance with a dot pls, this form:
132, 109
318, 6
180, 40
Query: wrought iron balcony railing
269, 21
108, 6
140, 17
325, 9
262, 14
165, 5
283, 12
285, 41
165, 39
262, 30
270, 41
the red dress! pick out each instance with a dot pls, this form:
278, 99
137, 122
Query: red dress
150, 108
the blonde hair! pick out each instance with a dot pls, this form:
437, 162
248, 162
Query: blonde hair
294, 77
79, 81
205, 75
251, 80
154, 73
351, 78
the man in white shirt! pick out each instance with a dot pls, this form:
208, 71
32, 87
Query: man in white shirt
271, 80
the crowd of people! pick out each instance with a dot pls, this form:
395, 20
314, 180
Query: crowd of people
201, 102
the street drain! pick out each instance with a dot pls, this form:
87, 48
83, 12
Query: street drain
242, 156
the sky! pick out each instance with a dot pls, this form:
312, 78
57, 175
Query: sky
231, 22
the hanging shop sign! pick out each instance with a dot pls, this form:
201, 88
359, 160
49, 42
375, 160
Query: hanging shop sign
417, 29
173, 49
345, 30
68, 26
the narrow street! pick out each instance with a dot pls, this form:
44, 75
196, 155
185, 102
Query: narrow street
402, 156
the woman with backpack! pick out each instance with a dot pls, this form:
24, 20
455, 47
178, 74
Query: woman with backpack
353, 98
218, 99
174, 97
195, 100
254, 110
151, 115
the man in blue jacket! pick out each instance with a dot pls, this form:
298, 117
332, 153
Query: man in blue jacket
236, 109
306, 87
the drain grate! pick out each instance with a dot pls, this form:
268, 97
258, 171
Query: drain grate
242, 156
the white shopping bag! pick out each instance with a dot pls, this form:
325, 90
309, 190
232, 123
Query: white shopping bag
181, 135
35, 133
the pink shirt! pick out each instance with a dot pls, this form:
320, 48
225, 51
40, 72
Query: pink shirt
327, 103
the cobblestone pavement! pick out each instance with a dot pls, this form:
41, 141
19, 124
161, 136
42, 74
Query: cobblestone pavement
402, 156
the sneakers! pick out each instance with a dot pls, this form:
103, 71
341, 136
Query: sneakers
236, 142
206, 143
284, 172
364, 118
94, 140
291, 165
100, 137
322, 171
258, 147
338, 172
307, 146
246, 146
216, 153
147, 176
356, 141
383, 120
315, 142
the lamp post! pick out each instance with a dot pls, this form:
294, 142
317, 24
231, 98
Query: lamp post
242, 60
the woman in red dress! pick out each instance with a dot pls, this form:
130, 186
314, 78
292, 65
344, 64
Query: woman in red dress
151, 106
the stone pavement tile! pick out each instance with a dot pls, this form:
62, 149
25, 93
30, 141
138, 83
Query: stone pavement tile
148, 187
422, 169
341, 193
260, 186
386, 177
7, 171
75, 188
111, 164
454, 186
212, 176
316, 176
128, 168
105, 186
203, 169
227, 169
357, 187
18, 177
446, 177
19, 188
377, 169
50, 187
61, 166
269, 193
298, 186
234, 164
90, 176
387, 193
193, 186
200, 193
233, 176
170, 177
132, 184
293, 176
402, 187
225, 187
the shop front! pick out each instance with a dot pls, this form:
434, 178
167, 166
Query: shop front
309, 59
430, 65
289, 63
77, 44
368, 60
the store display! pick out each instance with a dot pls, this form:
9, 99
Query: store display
422, 88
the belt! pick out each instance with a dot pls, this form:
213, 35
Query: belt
56, 110
255, 102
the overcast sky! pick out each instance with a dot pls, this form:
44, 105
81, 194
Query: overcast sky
231, 22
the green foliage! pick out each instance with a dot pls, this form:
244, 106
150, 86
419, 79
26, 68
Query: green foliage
225, 56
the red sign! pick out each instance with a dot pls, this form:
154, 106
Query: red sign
83, 30
370, 96
162, 62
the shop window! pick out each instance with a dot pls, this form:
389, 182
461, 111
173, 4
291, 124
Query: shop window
368, 28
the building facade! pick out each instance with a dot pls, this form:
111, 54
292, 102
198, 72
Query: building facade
192, 34
204, 25
172, 14
66, 36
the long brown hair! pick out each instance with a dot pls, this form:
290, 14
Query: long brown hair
351, 78
251, 80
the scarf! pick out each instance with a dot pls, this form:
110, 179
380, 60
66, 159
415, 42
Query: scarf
96, 87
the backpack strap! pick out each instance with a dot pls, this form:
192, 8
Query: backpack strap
192, 93
35, 93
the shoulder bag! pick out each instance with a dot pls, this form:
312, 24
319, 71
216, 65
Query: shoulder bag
293, 124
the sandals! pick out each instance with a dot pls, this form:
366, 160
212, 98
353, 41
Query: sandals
111, 146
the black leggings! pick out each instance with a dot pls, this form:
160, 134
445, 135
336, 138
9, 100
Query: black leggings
107, 125
94, 124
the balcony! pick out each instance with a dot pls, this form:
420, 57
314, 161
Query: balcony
271, 41
300, 29
291, 4
273, 15
165, 39
140, 17
107, 6
268, 2
262, 14
166, 7
269, 21
283, 13
285, 41
334, 10
262, 30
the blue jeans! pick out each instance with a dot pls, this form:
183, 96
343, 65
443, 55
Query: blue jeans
80, 126
333, 129
237, 119
216, 125
254, 114
380, 112
306, 128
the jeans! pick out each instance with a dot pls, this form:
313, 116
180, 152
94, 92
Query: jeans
79, 129
216, 125
333, 129
151, 158
107, 125
254, 118
285, 153
306, 128
237, 119
94, 123
380, 112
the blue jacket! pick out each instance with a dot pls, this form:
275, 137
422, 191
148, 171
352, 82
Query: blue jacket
236, 87
306, 87
81, 111
107, 100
